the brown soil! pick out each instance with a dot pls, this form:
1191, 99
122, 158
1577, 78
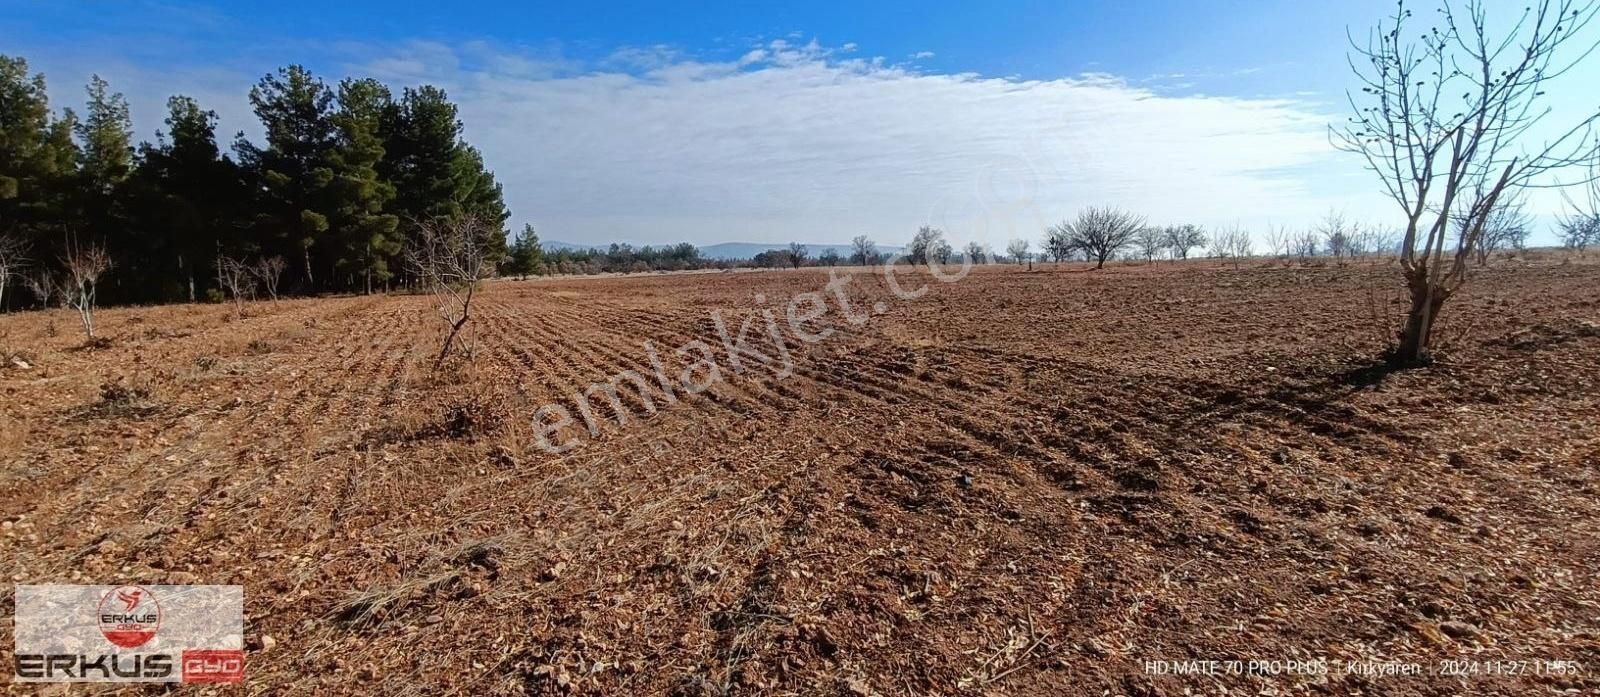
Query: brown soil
1019, 483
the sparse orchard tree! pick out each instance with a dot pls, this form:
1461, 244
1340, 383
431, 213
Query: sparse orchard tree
976, 253
1384, 242
1058, 242
268, 271
1279, 240
1577, 233
1305, 245
1150, 241
1018, 251
924, 244
1336, 233
828, 257
83, 267
1240, 245
1102, 232
797, 254
1182, 238
862, 251
942, 251
44, 286
1221, 244
1581, 227
237, 280
451, 256
13, 258
1450, 120
1505, 225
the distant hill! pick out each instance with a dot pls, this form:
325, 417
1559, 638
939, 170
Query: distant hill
729, 250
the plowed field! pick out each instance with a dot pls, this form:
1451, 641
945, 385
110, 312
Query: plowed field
1048, 482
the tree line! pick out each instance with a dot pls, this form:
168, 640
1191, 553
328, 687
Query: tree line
327, 202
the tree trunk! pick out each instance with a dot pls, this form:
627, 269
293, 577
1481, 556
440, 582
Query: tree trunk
1417, 332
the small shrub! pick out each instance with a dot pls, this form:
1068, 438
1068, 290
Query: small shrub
120, 398
258, 347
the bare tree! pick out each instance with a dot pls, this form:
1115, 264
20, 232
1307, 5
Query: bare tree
1018, 251
976, 253
1504, 224
1059, 244
451, 258
1182, 238
1279, 240
1577, 233
83, 267
1581, 227
268, 270
1445, 124
1336, 236
237, 280
1150, 241
924, 244
44, 285
1102, 232
863, 251
13, 258
1241, 246
797, 254
1383, 241
1305, 244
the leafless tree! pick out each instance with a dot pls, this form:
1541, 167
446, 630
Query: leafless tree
451, 258
1337, 236
1581, 226
1231, 243
976, 253
237, 280
797, 254
44, 285
83, 267
1150, 241
1018, 251
1279, 240
924, 245
13, 258
1305, 244
863, 251
1243, 246
1503, 227
1445, 122
268, 271
1384, 242
1059, 244
1102, 232
1182, 238
1578, 233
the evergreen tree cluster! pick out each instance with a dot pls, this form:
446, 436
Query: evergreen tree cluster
334, 190
625, 258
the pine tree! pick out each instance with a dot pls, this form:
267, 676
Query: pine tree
186, 200
435, 173
526, 257
37, 159
365, 235
291, 173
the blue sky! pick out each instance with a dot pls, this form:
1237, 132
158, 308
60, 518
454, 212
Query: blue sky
767, 121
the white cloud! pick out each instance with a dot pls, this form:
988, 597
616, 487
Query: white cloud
922, 54
789, 142
800, 141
